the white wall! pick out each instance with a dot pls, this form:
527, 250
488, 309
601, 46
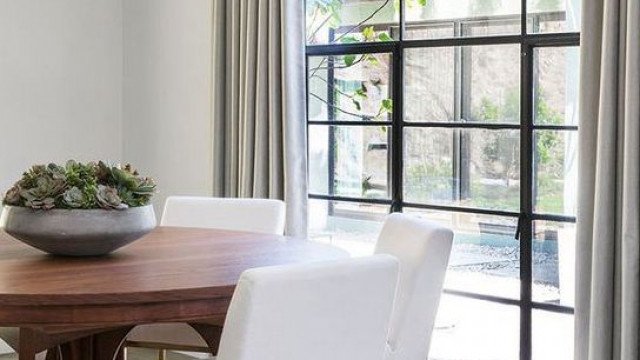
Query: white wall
125, 80
60, 82
120, 80
167, 93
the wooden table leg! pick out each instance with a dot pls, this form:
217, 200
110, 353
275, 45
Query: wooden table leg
108, 345
210, 334
80, 349
28, 344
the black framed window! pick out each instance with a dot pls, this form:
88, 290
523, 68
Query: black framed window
464, 113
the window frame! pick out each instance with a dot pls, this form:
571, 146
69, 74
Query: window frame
526, 215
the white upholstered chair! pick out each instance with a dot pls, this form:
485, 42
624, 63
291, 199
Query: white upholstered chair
336, 310
423, 249
254, 215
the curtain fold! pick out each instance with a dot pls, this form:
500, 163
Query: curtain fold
608, 241
259, 103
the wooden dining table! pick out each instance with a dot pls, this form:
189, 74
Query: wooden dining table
83, 308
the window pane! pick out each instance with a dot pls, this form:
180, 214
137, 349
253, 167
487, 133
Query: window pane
468, 329
553, 262
468, 167
508, 25
352, 226
349, 87
430, 30
485, 255
556, 85
349, 160
487, 13
548, 16
491, 84
556, 171
429, 78
470, 84
343, 22
552, 336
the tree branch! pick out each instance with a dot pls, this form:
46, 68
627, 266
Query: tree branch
363, 21
374, 13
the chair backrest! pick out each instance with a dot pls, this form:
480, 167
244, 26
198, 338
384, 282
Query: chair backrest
423, 249
254, 215
338, 310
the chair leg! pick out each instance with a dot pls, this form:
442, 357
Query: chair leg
54, 353
122, 353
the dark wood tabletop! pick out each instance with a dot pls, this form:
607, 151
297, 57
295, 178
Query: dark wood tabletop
172, 274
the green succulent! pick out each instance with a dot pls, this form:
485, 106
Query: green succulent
81, 186
13, 195
43, 195
76, 198
108, 198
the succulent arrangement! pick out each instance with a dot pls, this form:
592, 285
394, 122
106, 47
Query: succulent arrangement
81, 186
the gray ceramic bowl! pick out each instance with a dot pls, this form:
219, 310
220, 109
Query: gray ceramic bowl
77, 232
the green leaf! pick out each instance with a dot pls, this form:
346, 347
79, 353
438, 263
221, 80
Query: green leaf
371, 59
414, 3
362, 92
387, 105
349, 39
369, 33
349, 59
357, 104
384, 37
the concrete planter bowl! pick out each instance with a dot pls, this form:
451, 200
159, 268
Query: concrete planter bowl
64, 232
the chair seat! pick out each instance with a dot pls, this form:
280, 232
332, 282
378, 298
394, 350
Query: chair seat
175, 334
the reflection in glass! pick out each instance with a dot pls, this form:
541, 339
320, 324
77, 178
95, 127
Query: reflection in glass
463, 84
344, 22
463, 167
555, 171
491, 84
485, 255
349, 161
553, 262
556, 85
552, 335
429, 78
351, 226
549, 16
349, 87
491, 14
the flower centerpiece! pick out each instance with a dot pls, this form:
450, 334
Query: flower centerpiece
79, 209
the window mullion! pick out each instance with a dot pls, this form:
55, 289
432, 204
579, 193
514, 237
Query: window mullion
397, 129
526, 198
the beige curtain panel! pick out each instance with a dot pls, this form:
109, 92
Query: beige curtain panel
259, 104
608, 281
